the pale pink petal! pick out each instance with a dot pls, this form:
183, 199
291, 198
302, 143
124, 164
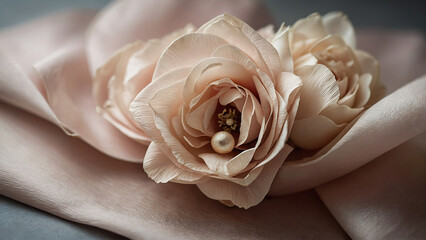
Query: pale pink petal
188, 129
364, 91
327, 43
268, 101
340, 113
343, 85
267, 32
370, 65
241, 35
249, 126
245, 196
305, 32
151, 52
248, 178
240, 162
230, 96
349, 98
309, 27
109, 93
371, 133
229, 164
314, 132
213, 69
187, 51
319, 89
165, 105
200, 117
140, 109
225, 85
281, 132
282, 44
306, 59
234, 53
289, 86
195, 142
160, 169
106, 72
123, 125
338, 23
166, 102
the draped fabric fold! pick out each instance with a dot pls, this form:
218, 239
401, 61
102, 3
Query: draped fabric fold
46, 68
385, 198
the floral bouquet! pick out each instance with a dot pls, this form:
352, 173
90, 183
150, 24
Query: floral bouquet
211, 101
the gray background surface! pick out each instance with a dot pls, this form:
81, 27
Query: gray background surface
406, 14
19, 221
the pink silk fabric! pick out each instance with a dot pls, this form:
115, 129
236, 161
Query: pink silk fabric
368, 184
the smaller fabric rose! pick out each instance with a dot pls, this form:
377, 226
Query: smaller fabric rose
339, 81
119, 80
219, 110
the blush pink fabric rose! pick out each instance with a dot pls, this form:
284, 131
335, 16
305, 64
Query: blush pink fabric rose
225, 66
119, 80
339, 81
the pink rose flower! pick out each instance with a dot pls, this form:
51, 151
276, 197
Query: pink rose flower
119, 80
339, 81
219, 110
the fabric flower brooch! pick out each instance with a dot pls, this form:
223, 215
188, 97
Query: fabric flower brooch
222, 106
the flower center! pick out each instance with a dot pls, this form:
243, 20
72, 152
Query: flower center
229, 119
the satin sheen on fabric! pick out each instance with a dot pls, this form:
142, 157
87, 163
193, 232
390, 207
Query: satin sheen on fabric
41, 166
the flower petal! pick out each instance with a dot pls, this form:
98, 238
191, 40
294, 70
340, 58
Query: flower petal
282, 44
109, 93
250, 126
239, 34
245, 196
338, 23
140, 109
288, 87
161, 169
267, 32
370, 65
305, 32
213, 69
228, 164
319, 90
314, 132
187, 51
151, 52
364, 91
340, 114
234, 53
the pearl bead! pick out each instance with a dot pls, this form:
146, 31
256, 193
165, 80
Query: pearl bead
223, 142
229, 121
